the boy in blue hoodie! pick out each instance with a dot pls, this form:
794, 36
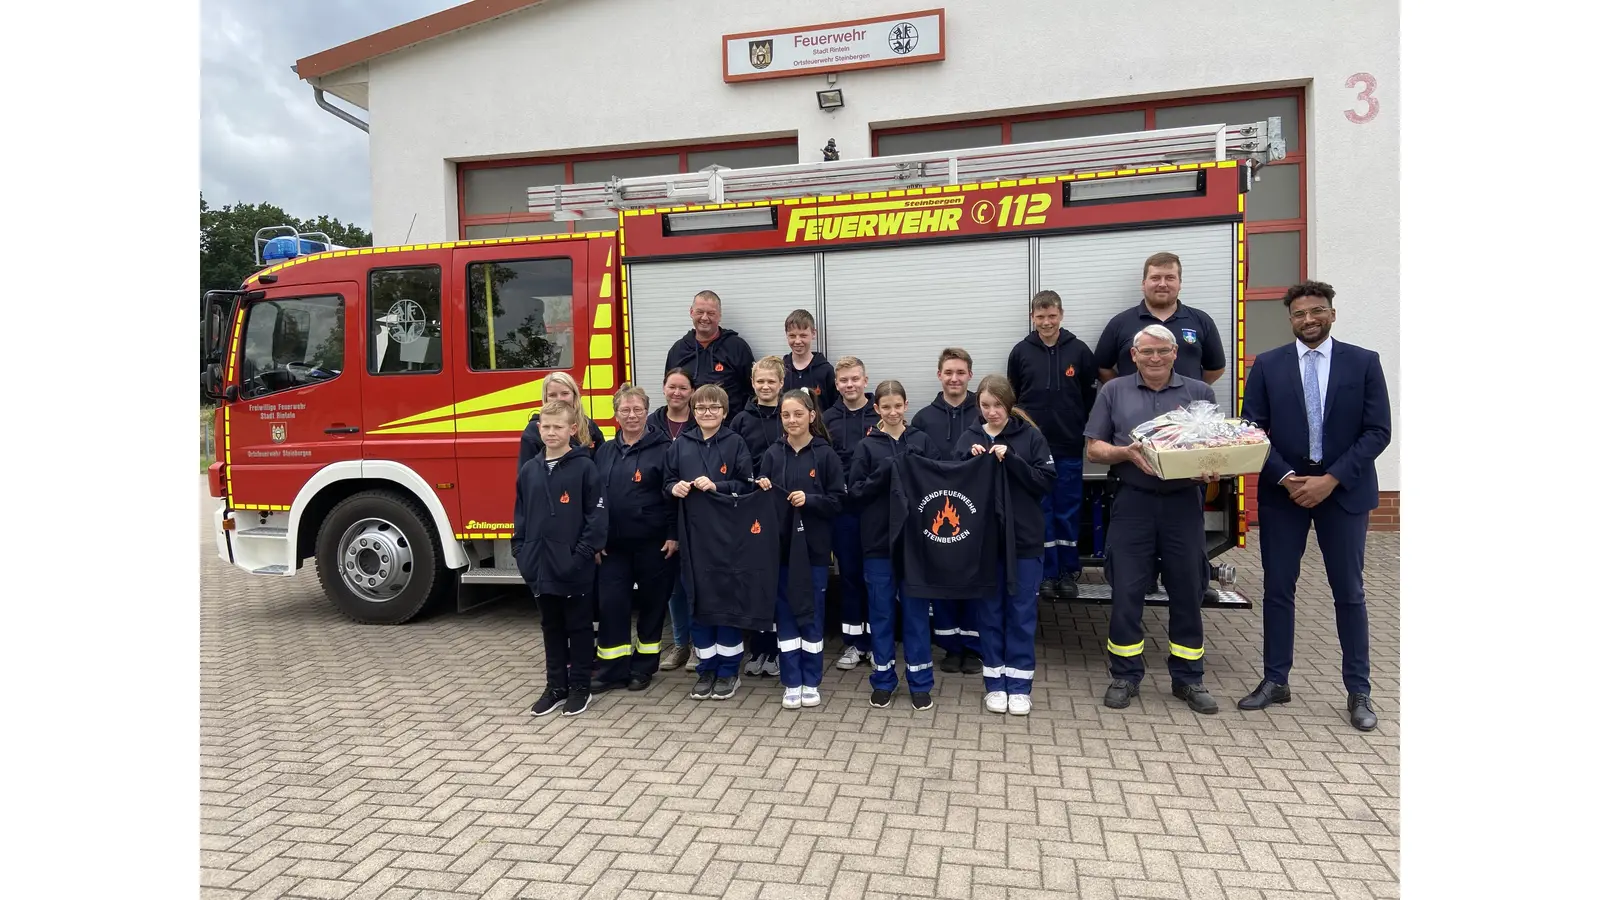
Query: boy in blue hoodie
847, 422
558, 532
804, 370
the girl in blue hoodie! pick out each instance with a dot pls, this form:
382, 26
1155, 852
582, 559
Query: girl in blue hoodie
1007, 621
806, 469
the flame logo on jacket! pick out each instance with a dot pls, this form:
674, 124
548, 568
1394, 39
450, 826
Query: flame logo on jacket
724, 469
947, 516
637, 476
756, 528
565, 498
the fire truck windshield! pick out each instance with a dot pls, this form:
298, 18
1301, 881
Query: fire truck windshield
291, 342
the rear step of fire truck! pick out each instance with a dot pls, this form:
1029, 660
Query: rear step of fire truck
1254, 144
1141, 153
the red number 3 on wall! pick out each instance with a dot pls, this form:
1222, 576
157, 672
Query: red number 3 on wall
1365, 97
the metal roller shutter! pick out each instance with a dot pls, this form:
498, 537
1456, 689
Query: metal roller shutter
897, 308
758, 293
1097, 276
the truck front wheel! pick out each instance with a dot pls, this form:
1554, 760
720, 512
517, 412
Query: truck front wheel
377, 558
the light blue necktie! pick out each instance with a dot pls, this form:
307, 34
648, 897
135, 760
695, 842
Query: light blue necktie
1313, 404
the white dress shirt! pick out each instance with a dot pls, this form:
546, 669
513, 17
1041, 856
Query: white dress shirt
1323, 361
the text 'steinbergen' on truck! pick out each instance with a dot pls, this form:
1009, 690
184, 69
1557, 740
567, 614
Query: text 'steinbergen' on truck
371, 399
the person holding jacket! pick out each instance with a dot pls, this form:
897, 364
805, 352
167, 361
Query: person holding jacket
945, 421
804, 467
1008, 620
1054, 374
641, 547
712, 354
709, 458
558, 531
759, 427
870, 469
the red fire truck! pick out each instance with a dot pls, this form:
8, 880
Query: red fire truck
371, 400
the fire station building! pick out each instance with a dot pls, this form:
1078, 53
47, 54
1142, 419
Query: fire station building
468, 108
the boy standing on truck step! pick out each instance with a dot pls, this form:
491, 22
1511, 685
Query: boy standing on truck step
803, 369
557, 535
848, 421
758, 425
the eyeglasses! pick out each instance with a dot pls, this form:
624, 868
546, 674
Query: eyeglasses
708, 409
1152, 352
1318, 311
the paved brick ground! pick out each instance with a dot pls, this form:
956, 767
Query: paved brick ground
342, 761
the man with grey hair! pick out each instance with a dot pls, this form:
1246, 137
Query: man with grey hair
712, 354
1153, 522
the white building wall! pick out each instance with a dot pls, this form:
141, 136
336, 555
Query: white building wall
583, 75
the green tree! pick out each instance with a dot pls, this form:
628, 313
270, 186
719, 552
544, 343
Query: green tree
227, 239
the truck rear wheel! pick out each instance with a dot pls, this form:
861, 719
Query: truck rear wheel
378, 558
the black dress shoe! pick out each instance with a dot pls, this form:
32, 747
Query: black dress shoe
640, 682
971, 664
1050, 589
601, 687
1119, 692
951, 663
1265, 694
1211, 596
1361, 714
1196, 695
1068, 589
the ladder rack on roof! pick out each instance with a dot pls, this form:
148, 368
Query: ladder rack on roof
1254, 144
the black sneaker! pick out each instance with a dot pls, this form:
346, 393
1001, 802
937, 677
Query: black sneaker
640, 682
881, 699
724, 687
549, 702
703, 687
1196, 695
951, 664
1119, 693
577, 702
971, 663
921, 700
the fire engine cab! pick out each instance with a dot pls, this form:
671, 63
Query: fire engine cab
371, 399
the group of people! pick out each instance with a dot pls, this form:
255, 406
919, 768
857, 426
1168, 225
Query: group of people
597, 534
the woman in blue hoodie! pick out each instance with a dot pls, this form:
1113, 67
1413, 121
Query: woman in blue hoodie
1007, 621
641, 548
710, 458
805, 467
870, 468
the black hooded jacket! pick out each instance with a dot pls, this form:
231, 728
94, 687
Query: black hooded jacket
944, 424
1030, 470
657, 421
816, 471
560, 524
847, 427
723, 459
816, 377
870, 471
760, 428
724, 362
1056, 387
631, 478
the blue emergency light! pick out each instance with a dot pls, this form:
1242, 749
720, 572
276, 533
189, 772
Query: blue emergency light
291, 245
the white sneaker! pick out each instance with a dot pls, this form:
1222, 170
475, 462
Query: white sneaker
995, 701
792, 697
1020, 704
810, 696
769, 666
753, 667
849, 659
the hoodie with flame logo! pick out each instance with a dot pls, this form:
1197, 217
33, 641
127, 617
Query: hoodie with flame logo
631, 476
815, 471
560, 523
1030, 469
869, 483
954, 525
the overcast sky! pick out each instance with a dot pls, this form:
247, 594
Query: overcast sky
262, 136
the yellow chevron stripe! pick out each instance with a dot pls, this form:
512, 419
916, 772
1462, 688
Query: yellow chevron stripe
605, 286
600, 346
602, 316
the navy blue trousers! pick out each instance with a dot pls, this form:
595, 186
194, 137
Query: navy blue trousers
1148, 529
800, 646
884, 596
1007, 623
852, 580
1342, 536
1061, 508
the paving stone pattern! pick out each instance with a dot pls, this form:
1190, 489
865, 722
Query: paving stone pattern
356, 762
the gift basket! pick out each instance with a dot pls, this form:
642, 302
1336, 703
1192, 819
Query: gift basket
1198, 438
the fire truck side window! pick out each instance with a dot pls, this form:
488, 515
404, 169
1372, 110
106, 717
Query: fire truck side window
531, 323
291, 342
403, 321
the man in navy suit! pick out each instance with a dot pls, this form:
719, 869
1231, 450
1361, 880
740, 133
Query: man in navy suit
1325, 407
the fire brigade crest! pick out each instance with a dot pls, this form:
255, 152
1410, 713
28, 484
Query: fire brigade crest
761, 53
1190, 336
942, 520
280, 432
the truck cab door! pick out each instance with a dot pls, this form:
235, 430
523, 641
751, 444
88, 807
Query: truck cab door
524, 310
296, 366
